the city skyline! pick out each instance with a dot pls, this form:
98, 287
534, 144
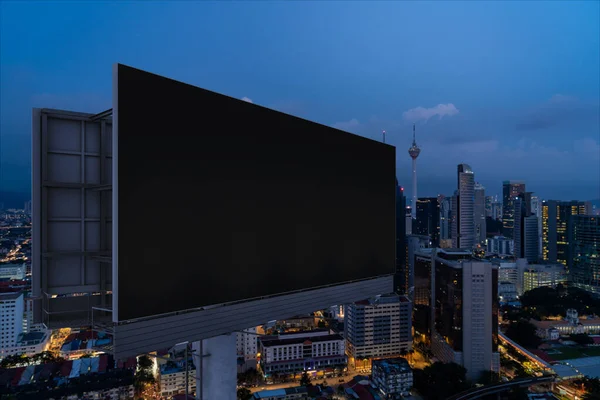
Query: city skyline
483, 95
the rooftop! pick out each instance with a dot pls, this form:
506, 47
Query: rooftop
392, 365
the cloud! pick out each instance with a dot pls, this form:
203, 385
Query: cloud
422, 113
348, 126
556, 111
249, 100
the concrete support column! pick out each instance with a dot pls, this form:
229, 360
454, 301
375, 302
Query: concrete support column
216, 375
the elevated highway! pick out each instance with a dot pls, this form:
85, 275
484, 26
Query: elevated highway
480, 392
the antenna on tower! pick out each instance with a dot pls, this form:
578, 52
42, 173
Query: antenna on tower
383, 136
414, 140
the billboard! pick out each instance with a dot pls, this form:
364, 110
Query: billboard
217, 200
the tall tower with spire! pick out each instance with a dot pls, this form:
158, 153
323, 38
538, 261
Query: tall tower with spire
414, 152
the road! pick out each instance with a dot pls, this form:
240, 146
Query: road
333, 382
500, 387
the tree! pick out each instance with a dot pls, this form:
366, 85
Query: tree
145, 363
523, 332
340, 389
321, 324
582, 339
244, 394
440, 381
305, 379
488, 378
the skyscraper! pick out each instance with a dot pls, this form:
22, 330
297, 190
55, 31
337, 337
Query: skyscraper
463, 228
556, 216
510, 191
378, 327
401, 277
428, 219
479, 210
525, 229
584, 239
414, 152
445, 216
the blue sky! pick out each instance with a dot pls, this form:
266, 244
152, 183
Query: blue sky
511, 88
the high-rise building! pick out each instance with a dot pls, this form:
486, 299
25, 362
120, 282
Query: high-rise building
525, 229
11, 314
462, 297
497, 211
428, 219
409, 220
488, 205
479, 209
445, 218
402, 272
555, 228
463, 227
510, 191
584, 239
379, 327
414, 152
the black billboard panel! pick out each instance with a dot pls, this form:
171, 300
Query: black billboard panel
221, 200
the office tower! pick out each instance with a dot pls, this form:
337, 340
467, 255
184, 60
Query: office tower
428, 219
488, 205
401, 276
465, 311
11, 314
510, 191
379, 327
555, 228
414, 152
525, 229
497, 211
445, 216
463, 226
408, 220
479, 210
584, 239
456, 306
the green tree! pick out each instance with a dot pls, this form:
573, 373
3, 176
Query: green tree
321, 324
523, 332
340, 389
440, 381
488, 378
305, 379
582, 339
244, 394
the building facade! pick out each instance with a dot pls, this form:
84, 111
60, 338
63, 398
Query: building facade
584, 239
510, 191
315, 350
479, 210
11, 319
428, 219
535, 276
555, 228
393, 377
500, 245
379, 327
463, 227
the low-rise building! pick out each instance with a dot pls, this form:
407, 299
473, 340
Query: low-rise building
571, 325
507, 292
315, 350
393, 377
539, 275
294, 393
16, 270
247, 349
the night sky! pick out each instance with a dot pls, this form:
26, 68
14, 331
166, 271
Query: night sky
511, 88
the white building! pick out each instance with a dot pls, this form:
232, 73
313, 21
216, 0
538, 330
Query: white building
172, 374
11, 321
315, 350
465, 313
539, 275
29, 343
246, 348
393, 377
13, 271
379, 327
